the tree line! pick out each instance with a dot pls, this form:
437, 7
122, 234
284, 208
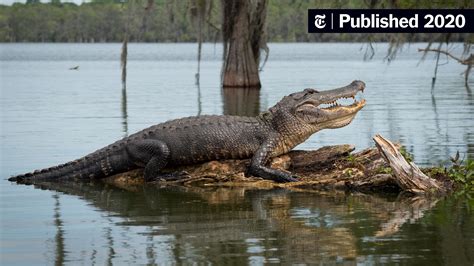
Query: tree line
172, 21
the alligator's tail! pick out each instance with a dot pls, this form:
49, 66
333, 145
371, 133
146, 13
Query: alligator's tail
99, 164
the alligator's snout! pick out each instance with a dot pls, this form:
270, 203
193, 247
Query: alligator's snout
331, 108
319, 98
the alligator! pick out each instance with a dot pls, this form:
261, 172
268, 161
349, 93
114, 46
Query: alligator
204, 138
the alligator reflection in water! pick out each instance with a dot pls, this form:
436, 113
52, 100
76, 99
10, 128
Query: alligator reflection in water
241, 101
211, 225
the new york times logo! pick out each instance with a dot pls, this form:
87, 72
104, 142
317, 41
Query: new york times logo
319, 21
390, 20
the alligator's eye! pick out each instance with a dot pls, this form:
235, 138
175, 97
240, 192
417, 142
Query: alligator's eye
310, 91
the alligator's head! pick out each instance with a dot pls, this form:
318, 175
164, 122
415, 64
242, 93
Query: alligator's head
323, 109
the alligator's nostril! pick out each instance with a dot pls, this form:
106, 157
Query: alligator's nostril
360, 84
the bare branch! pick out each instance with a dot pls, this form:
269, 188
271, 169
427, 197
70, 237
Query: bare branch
468, 61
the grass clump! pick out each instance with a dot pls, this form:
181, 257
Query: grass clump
461, 172
406, 154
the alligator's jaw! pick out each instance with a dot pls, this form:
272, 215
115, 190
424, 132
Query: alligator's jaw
343, 114
333, 108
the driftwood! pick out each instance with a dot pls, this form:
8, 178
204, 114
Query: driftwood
381, 169
408, 176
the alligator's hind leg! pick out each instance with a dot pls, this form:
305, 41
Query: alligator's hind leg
152, 154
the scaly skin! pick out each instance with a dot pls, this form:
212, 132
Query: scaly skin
204, 138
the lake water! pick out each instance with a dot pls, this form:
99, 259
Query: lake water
50, 115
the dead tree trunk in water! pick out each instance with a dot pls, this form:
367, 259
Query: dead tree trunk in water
243, 35
199, 10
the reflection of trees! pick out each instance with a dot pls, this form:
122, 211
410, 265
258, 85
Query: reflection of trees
216, 225
470, 145
110, 245
59, 238
241, 101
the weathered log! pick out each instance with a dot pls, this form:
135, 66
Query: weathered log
408, 176
328, 168
381, 169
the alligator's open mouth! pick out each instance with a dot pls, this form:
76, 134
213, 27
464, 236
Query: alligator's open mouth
342, 100
332, 108
340, 106
346, 103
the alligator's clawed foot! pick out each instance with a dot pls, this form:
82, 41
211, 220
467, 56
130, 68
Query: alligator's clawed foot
283, 179
286, 179
295, 178
172, 176
274, 175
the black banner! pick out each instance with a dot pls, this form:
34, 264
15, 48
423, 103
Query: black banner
390, 20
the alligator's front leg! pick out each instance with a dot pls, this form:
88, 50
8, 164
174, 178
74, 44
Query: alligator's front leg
153, 154
261, 158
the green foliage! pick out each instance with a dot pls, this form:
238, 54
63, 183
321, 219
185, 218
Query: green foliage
384, 170
354, 161
407, 155
351, 158
98, 21
462, 173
